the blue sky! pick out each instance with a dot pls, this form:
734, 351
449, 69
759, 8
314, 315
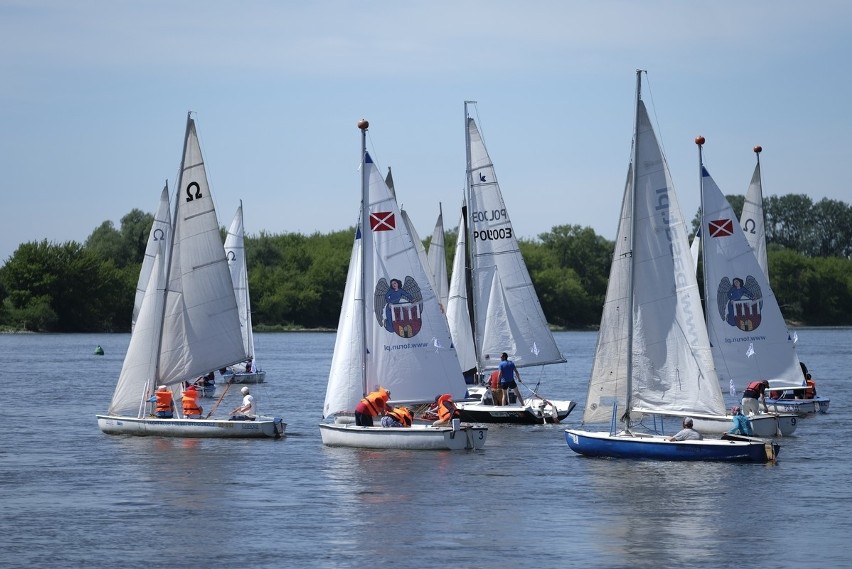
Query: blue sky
94, 95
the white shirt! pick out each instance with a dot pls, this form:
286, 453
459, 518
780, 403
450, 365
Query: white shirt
248, 401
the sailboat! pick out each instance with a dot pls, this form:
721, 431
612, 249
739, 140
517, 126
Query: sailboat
506, 315
789, 398
437, 259
248, 371
391, 333
653, 354
188, 321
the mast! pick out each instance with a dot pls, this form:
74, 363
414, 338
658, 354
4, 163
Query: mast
699, 141
363, 125
470, 267
633, 180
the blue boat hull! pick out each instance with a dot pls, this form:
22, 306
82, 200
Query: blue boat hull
655, 447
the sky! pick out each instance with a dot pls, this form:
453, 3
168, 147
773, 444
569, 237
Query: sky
94, 97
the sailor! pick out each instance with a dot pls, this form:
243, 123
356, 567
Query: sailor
164, 405
247, 411
397, 417
447, 410
191, 408
754, 391
373, 405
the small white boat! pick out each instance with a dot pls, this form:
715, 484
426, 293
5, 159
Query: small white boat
392, 333
187, 321
235, 251
789, 399
534, 411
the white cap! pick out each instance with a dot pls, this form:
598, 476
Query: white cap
244, 390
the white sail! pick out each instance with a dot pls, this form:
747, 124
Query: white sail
752, 221
201, 329
695, 250
653, 352
409, 349
235, 252
418, 244
494, 247
438, 260
458, 315
160, 234
748, 333
345, 387
138, 372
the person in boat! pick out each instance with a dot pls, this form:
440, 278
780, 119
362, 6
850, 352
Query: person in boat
741, 426
497, 392
754, 391
687, 433
189, 400
247, 411
164, 405
249, 365
508, 373
206, 380
373, 405
810, 392
447, 410
398, 417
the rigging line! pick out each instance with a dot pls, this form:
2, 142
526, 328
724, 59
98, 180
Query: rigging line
658, 129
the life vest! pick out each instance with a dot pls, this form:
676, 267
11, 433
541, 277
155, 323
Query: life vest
810, 392
164, 400
375, 402
190, 403
495, 379
402, 415
754, 389
446, 408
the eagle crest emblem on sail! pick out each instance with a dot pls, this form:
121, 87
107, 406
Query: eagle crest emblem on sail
740, 302
399, 306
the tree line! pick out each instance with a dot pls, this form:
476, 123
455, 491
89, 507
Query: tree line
297, 281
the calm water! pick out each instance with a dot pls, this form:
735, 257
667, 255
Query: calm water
73, 497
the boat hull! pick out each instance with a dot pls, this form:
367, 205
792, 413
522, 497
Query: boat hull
533, 412
656, 447
263, 427
800, 407
253, 377
416, 437
763, 425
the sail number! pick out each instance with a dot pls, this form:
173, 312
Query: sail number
492, 234
189, 193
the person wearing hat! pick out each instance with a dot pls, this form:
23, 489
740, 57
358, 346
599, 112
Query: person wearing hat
189, 400
373, 405
164, 405
754, 391
247, 411
741, 424
687, 433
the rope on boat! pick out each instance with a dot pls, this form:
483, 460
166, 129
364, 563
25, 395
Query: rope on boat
216, 405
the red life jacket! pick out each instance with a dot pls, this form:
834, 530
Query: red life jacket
810, 392
754, 389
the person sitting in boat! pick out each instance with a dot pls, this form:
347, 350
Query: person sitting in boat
398, 417
687, 433
248, 365
741, 426
191, 408
754, 391
247, 411
206, 380
508, 373
810, 392
447, 410
164, 405
373, 405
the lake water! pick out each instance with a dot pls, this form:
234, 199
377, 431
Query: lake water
74, 497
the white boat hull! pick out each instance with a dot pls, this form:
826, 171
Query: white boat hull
534, 411
262, 427
253, 377
763, 425
416, 437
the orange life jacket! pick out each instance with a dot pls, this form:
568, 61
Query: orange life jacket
375, 402
190, 403
402, 415
810, 392
446, 408
754, 389
164, 400
494, 380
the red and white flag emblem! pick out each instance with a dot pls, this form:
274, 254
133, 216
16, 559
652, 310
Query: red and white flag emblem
382, 221
721, 228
